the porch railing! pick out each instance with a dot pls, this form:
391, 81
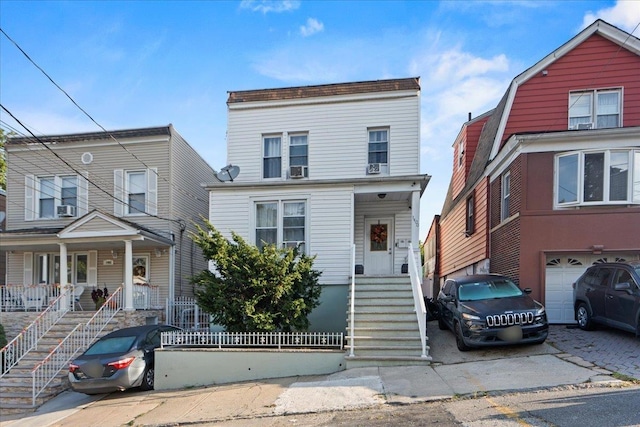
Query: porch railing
418, 300
27, 297
275, 340
146, 297
75, 342
185, 313
28, 339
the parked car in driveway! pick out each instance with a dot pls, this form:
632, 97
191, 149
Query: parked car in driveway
490, 310
119, 360
609, 294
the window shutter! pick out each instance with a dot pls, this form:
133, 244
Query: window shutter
29, 197
83, 194
92, 268
152, 191
118, 192
27, 266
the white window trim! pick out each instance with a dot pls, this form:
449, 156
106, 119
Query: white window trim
504, 213
594, 104
606, 182
280, 222
283, 137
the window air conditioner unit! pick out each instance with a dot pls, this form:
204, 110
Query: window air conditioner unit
585, 126
66, 210
297, 171
373, 168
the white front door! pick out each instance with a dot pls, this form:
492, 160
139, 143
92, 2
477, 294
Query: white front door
378, 246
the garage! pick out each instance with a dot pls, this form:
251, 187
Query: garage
560, 273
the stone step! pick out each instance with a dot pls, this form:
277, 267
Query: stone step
367, 361
399, 331
382, 293
381, 317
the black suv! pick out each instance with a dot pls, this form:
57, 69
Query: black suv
609, 293
488, 310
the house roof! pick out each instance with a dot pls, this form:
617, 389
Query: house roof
73, 137
336, 89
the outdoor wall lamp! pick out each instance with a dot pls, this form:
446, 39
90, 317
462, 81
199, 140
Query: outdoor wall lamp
382, 195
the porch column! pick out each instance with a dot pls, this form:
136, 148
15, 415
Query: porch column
415, 227
65, 301
128, 276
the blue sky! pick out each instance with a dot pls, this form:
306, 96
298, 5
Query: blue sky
149, 63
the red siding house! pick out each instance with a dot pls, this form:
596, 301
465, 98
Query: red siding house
548, 182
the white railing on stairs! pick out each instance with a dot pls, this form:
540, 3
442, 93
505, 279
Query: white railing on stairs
75, 342
418, 300
352, 308
28, 339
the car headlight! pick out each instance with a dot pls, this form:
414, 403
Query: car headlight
467, 316
540, 311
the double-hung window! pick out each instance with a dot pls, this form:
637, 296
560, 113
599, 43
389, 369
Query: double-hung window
597, 177
281, 223
595, 109
378, 147
54, 191
48, 268
506, 196
136, 192
299, 152
272, 156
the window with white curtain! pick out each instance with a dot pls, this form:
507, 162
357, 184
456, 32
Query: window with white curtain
282, 223
272, 156
597, 177
595, 109
47, 198
379, 146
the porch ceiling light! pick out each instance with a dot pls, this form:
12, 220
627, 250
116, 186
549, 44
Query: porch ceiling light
382, 195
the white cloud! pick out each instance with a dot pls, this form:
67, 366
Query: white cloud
313, 26
266, 6
625, 14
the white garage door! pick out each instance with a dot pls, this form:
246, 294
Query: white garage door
561, 272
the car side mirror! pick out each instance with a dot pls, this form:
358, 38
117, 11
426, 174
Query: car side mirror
624, 286
527, 291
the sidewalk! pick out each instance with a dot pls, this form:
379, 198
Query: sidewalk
451, 374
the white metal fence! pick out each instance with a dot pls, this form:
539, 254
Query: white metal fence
276, 340
185, 313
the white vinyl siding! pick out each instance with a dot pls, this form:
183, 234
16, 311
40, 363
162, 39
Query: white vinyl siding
339, 135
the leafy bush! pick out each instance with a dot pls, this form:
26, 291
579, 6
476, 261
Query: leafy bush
255, 290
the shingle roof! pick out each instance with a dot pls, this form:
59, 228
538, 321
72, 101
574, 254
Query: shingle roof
412, 83
73, 137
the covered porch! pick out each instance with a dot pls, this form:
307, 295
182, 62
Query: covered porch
101, 251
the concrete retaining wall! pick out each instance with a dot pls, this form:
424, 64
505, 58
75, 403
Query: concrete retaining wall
192, 367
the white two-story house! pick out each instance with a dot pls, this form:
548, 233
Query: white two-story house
327, 168
118, 206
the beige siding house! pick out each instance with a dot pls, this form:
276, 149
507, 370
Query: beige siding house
115, 204
326, 168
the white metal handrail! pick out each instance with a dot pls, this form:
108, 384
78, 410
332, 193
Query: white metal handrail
28, 339
279, 340
418, 300
76, 341
58, 359
352, 309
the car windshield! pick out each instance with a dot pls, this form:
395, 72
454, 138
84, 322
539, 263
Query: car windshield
111, 345
490, 289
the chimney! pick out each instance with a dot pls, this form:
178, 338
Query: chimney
469, 117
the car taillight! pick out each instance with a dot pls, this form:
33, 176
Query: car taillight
122, 363
73, 368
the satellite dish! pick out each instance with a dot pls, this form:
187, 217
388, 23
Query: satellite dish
228, 173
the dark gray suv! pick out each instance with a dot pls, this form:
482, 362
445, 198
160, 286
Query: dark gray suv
609, 293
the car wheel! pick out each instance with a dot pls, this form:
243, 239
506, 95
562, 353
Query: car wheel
147, 379
459, 338
584, 317
441, 324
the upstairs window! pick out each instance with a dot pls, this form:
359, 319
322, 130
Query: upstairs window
56, 191
379, 146
136, 192
460, 154
299, 152
470, 217
506, 196
272, 157
596, 109
597, 178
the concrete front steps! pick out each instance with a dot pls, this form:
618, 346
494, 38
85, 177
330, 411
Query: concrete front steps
386, 331
16, 387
